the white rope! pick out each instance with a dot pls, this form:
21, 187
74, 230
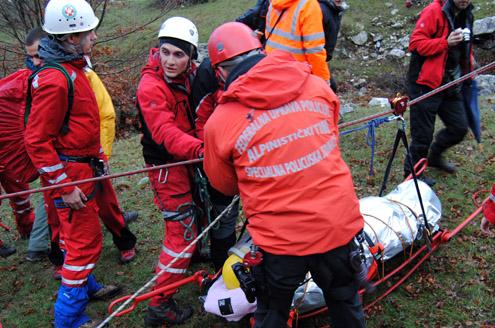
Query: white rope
155, 277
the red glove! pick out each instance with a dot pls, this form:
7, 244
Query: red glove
489, 208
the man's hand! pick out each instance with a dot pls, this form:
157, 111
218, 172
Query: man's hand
455, 37
259, 34
485, 227
75, 200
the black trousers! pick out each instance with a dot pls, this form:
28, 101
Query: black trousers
449, 106
278, 276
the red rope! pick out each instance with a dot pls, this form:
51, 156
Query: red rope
105, 177
423, 97
194, 161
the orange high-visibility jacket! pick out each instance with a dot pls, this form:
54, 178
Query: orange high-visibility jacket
299, 32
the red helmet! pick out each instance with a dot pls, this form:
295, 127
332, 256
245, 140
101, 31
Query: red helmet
230, 40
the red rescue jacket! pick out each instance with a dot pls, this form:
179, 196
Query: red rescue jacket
274, 139
44, 142
166, 117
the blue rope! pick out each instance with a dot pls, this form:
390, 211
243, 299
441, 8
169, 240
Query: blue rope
370, 137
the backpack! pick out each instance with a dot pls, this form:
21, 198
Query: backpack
15, 107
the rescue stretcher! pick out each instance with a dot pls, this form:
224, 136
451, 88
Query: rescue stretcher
408, 241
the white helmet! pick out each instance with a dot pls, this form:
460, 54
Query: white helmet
69, 16
179, 28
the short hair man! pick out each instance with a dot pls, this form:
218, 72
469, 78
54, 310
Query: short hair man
274, 139
32, 42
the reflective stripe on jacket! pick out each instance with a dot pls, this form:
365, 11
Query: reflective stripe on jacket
299, 32
107, 111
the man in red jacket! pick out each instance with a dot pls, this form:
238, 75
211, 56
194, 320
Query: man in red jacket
489, 214
65, 148
274, 139
441, 53
168, 136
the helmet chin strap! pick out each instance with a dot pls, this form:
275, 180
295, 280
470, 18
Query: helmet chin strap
219, 77
88, 61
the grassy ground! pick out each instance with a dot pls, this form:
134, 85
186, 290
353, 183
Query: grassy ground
453, 289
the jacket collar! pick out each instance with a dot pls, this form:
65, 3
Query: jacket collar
52, 51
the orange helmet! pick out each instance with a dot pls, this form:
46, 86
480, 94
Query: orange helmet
230, 40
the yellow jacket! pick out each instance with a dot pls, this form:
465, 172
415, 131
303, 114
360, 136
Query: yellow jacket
299, 31
107, 111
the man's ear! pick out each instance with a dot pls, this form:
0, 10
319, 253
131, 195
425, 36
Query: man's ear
73, 39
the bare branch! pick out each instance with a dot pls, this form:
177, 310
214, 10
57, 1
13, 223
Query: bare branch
170, 5
103, 11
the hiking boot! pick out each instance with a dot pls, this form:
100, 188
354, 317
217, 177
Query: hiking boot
128, 255
130, 217
440, 163
168, 312
36, 256
429, 181
106, 293
6, 251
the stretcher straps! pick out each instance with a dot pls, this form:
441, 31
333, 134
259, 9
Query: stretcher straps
162, 271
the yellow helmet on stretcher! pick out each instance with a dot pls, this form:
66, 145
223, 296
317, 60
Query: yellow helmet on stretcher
228, 274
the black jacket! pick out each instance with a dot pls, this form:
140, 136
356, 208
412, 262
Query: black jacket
332, 17
255, 17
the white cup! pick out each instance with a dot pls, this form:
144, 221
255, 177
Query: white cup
466, 34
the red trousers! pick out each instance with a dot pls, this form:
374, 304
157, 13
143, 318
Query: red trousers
172, 189
80, 231
108, 210
24, 215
